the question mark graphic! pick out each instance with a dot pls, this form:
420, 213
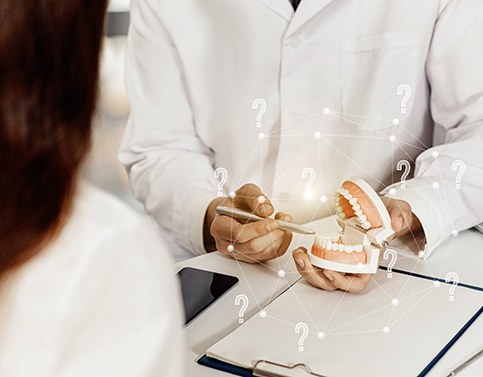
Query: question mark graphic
259, 102
222, 175
406, 91
243, 300
399, 167
462, 168
392, 262
452, 276
302, 327
310, 174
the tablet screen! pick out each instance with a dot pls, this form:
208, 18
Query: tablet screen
202, 288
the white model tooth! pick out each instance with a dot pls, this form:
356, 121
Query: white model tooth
353, 201
342, 215
349, 249
328, 245
339, 208
366, 225
358, 212
343, 191
356, 207
318, 239
362, 218
358, 248
324, 243
348, 196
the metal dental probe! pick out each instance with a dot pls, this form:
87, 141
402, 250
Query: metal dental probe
243, 215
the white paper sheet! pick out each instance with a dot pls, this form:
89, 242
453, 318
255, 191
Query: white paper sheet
354, 343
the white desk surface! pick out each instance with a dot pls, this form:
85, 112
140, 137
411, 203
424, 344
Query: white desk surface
261, 284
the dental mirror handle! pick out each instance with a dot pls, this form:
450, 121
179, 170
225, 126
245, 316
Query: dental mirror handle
243, 215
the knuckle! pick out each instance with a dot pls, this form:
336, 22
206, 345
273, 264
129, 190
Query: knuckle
248, 187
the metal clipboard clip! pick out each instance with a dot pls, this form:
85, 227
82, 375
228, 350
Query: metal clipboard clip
266, 368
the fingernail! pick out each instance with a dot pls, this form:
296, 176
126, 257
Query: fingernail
266, 208
329, 275
300, 262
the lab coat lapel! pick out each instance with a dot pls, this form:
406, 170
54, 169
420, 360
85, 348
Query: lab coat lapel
305, 11
281, 7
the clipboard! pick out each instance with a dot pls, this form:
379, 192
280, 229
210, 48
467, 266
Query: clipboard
275, 368
265, 368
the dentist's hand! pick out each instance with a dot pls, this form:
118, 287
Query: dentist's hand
251, 242
403, 221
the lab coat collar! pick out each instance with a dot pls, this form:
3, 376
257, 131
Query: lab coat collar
305, 11
281, 7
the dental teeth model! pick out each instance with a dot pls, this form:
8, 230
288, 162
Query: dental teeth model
364, 225
331, 247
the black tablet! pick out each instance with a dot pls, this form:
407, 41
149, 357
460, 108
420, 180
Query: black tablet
202, 288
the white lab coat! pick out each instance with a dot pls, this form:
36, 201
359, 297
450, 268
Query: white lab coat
194, 69
100, 300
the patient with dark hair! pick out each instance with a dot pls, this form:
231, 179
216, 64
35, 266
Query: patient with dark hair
86, 286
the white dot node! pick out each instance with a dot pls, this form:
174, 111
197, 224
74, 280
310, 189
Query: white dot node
230, 248
392, 191
320, 335
395, 302
437, 283
421, 254
435, 154
386, 330
455, 233
326, 111
232, 194
395, 122
261, 136
323, 199
317, 135
392, 138
435, 185
263, 314
281, 273
261, 199
359, 266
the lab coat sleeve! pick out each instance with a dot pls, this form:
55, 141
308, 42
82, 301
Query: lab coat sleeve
455, 73
125, 317
170, 168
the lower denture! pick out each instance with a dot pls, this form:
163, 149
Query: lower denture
328, 253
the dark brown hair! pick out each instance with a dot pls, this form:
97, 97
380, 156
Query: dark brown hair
49, 53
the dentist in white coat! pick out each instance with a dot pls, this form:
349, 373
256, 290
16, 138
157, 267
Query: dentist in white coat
351, 88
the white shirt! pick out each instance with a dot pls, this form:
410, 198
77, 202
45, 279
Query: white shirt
100, 300
194, 70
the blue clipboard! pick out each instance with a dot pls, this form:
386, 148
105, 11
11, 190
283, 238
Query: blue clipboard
243, 372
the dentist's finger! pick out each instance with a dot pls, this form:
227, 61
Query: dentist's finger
229, 229
257, 245
312, 274
350, 283
283, 217
228, 249
250, 197
270, 252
